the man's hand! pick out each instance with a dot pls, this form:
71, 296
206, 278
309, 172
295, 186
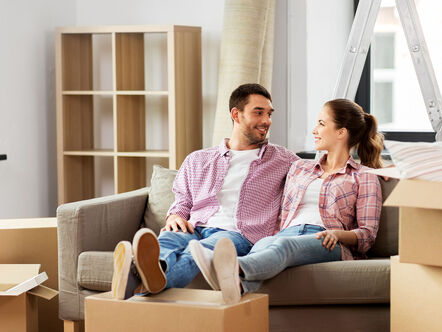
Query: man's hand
330, 239
174, 223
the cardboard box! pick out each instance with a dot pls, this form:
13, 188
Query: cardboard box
416, 297
34, 241
420, 221
175, 310
19, 291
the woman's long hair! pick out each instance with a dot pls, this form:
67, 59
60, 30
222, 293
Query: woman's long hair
362, 129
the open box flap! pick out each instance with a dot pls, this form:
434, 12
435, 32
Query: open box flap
43, 292
24, 286
14, 274
417, 194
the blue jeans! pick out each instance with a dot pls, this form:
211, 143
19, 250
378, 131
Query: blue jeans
180, 266
293, 246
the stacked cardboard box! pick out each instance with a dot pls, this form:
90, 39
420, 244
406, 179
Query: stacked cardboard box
416, 274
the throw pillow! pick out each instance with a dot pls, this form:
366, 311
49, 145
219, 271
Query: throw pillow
160, 199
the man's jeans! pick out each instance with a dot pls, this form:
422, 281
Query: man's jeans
293, 246
181, 268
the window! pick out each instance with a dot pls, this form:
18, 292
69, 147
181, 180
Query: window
390, 81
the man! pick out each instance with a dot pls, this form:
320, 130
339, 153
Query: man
230, 191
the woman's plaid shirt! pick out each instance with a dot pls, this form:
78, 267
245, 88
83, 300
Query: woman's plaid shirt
350, 199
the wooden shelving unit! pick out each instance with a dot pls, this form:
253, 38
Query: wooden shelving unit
149, 80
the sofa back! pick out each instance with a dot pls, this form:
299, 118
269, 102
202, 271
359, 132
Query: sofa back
161, 197
386, 244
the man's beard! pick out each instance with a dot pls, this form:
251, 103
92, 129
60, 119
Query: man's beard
255, 139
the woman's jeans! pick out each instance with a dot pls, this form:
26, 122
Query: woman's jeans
293, 246
174, 251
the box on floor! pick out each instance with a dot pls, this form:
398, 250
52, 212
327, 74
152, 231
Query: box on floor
416, 297
176, 310
19, 291
31, 241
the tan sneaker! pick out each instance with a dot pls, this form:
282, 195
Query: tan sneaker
146, 255
123, 280
203, 257
225, 262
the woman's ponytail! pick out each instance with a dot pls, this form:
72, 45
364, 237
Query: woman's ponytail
371, 143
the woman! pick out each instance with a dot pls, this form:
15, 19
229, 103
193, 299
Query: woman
330, 209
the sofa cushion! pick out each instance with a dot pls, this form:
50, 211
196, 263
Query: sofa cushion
161, 197
386, 243
95, 269
344, 282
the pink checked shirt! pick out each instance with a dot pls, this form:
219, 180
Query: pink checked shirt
202, 174
349, 200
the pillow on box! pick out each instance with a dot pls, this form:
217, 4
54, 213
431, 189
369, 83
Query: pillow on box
160, 199
417, 160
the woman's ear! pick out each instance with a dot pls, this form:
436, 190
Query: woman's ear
343, 133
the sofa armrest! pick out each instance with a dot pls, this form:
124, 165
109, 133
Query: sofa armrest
100, 223
93, 225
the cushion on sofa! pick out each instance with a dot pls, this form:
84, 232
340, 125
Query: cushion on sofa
160, 199
346, 282
95, 269
386, 243
100, 279
343, 282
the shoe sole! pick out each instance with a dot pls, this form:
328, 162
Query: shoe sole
195, 251
122, 262
146, 254
226, 266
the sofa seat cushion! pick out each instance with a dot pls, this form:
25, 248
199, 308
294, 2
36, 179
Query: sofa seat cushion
95, 269
343, 282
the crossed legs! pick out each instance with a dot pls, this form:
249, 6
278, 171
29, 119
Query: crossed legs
166, 262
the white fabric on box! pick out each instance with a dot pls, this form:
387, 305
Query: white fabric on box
417, 160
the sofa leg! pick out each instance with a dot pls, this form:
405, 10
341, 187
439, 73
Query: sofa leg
73, 326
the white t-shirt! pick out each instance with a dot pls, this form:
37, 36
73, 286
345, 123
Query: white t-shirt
309, 207
228, 196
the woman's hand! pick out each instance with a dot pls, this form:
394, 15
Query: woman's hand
330, 238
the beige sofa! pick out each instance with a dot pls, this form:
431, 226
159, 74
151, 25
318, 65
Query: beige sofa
334, 296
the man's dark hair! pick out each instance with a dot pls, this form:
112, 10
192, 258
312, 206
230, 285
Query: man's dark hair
240, 96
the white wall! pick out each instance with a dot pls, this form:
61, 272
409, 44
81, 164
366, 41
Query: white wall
318, 33
28, 179
207, 14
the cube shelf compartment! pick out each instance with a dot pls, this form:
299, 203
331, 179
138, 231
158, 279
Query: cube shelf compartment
127, 97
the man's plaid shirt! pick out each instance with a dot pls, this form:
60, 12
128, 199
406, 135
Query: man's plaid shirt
202, 175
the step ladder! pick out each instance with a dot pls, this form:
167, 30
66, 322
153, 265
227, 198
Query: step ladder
358, 45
